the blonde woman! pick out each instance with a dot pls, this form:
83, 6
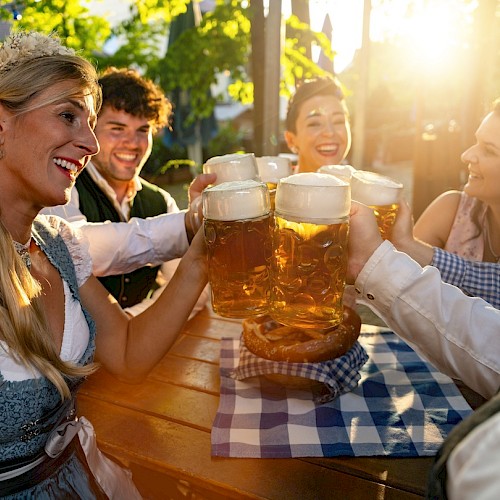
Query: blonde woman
57, 321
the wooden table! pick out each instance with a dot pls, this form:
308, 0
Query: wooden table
160, 429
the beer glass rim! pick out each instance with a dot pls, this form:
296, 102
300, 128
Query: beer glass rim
340, 166
368, 177
219, 200
274, 157
366, 189
232, 167
345, 171
273, 168
313, 200
312, 178
228, 158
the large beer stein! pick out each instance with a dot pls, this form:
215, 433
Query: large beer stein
238, 237
380, 193
309, 261
232, 167
271, 170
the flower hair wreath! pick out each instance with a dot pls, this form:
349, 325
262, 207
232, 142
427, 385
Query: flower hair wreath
23, 46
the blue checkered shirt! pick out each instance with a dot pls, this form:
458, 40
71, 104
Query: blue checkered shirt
477, 279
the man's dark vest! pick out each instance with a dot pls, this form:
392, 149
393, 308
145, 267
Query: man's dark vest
129, 289
438, 475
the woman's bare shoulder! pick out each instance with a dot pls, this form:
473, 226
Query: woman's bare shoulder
435, 223
447, 201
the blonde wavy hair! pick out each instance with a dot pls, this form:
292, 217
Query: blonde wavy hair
23, 325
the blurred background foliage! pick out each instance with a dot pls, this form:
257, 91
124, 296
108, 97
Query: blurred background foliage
417, 92
220, 44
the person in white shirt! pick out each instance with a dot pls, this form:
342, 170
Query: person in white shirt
111, 190
477, 279
121, 247
457, 333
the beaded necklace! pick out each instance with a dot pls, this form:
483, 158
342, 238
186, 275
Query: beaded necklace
24, 252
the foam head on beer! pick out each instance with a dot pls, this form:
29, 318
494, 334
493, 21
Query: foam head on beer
236, 200
237, 234
273, 168
309, 261
232, 167
374, 189
344, 172
313, 196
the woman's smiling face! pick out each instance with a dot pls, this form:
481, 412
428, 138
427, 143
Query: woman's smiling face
322, 133
45, 148
483, 159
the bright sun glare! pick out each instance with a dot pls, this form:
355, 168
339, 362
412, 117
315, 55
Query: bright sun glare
432, 36
430, 32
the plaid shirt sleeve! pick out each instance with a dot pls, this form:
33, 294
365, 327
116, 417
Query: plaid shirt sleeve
477, 279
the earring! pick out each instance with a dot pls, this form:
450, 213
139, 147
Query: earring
294, 150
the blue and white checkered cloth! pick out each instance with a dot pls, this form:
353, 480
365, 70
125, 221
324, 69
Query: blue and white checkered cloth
337, 375
477, 279
402, 407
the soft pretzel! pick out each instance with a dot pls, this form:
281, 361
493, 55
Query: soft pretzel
269, 339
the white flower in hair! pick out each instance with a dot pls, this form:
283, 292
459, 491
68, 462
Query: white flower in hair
24, 46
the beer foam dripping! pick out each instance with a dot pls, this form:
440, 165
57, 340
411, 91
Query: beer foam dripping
236, 200
371, 188
313, 196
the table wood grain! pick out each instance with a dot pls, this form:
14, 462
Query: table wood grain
160, 429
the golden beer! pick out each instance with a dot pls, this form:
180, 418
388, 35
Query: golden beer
309, 261
239, 254
381, 193
271, 186
237, 228
308, 273
271, 170
386, 216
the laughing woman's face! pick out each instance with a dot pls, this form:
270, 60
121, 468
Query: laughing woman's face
483, 159
322, 135
46, 148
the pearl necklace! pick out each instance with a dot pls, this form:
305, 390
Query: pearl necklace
24, 252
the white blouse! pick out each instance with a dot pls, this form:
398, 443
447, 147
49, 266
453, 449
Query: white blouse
76, 332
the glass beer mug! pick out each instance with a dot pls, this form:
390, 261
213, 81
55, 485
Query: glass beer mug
343, 172
309, 261
271, 170
232, 167
237, 227
380, 193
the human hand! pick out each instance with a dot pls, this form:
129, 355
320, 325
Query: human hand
402, 230
197, 252
364, 239
194, 214
404, 241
